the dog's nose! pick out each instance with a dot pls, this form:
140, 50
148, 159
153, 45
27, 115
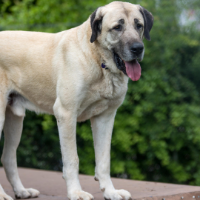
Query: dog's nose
137, 48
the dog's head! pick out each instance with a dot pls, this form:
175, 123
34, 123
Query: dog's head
120, 27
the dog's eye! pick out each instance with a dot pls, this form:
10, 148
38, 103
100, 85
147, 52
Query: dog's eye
139, 26
118, 28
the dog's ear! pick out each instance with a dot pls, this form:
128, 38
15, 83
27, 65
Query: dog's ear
95, 21
148, 22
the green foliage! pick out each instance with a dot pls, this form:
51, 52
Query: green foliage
156, 134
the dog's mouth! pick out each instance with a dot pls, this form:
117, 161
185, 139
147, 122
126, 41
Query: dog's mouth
130, 68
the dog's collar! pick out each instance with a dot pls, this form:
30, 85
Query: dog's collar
103, 65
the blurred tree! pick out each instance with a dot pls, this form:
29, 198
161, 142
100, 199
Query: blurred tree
156, 135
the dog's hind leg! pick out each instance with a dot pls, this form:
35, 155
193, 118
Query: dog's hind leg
12, 133
3, 195
3, 104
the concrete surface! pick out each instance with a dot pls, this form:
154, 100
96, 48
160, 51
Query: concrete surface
52, 187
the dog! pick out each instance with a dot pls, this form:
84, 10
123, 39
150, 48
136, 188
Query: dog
78, 74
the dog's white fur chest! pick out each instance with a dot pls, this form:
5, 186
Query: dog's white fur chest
110, 91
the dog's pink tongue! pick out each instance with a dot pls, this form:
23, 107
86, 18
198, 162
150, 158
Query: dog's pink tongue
133, 70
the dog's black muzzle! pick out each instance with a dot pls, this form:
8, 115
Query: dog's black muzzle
137, 49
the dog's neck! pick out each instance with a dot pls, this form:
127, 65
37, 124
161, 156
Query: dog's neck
89, 49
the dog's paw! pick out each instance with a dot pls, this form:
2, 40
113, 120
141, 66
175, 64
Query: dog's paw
5, 197
80, 195
117, 195
27, 193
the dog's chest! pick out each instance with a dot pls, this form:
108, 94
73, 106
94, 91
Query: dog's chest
106, 93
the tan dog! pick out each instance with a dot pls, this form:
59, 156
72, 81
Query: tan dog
78, 74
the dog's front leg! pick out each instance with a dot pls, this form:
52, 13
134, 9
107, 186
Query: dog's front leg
66, 120
102, 126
